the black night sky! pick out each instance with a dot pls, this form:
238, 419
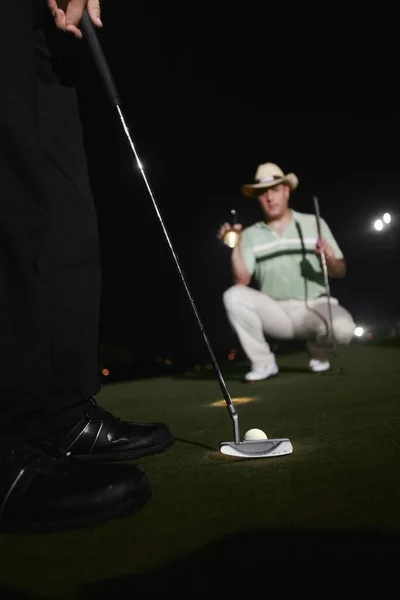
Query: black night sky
203, 115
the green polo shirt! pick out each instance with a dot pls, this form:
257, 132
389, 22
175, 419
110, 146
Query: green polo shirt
286, 266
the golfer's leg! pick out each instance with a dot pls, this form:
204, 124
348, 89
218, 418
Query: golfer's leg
253, 314
69, 264
24, 219
69, 268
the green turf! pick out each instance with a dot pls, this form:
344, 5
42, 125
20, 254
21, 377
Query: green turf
214, 519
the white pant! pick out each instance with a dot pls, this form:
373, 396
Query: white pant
253, 314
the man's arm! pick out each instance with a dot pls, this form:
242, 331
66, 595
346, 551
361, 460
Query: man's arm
240, 273
336, 266
335, 260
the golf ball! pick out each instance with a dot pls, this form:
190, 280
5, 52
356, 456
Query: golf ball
255, 434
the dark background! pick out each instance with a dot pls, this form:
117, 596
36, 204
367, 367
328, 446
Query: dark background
206, 102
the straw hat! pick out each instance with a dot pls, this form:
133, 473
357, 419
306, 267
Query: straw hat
268, 175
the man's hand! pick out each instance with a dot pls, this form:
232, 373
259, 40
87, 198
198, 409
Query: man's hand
336, 267
223, 230
323, 246
68, 13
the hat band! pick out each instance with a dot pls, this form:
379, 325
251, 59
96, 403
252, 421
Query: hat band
269, 178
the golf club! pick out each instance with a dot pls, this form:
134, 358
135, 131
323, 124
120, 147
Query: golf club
238, 448
331, 333
325, 273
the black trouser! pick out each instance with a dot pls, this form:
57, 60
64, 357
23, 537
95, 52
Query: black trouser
49, 247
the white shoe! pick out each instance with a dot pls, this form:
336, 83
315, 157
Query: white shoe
260, 373
318, 366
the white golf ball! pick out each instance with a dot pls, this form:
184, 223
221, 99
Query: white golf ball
255, 434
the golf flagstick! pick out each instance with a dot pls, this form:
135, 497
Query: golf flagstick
246, 449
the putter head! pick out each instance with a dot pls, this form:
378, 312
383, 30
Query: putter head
257, 448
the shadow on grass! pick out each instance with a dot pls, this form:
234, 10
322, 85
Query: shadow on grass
256, 562
198, 444
7, 594
242, 560
236, 375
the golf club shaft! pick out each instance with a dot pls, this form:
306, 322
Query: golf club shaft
90, 36
325, 272
89, 33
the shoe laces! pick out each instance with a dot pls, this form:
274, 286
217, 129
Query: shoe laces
96, 408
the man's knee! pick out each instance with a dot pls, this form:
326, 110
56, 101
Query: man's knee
233, 295
344, 329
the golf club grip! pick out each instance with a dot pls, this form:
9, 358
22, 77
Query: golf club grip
90, 36
317, 215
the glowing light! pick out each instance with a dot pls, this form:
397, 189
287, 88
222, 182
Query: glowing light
231, 238
387, 218
241, 400
231, 356
359, 331
378, 225
105, 372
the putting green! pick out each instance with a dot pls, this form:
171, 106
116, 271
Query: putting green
336, 497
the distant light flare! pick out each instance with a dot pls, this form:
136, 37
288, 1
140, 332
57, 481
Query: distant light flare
382, 222
387, 218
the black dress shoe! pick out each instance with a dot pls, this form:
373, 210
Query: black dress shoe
99, 436
41, 493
